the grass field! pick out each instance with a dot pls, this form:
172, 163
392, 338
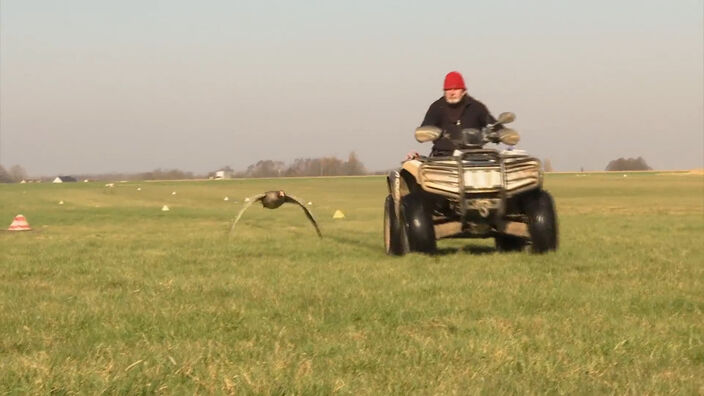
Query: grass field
108, 294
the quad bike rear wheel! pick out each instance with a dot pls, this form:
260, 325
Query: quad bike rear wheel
395, 242
542, 221
418, 224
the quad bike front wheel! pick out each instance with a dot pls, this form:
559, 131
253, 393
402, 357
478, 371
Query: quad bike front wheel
395, 242
418, 224
542, 221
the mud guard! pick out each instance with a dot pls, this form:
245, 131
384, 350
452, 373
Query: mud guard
394, 181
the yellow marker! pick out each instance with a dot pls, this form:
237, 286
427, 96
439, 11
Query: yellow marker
338, 215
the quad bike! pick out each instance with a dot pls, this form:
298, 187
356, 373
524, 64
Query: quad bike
474, 193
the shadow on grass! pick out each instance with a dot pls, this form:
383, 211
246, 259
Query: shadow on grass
471, 249
375, 248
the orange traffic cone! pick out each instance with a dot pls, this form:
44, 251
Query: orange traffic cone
19, 224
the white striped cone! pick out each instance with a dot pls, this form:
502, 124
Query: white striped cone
19, 224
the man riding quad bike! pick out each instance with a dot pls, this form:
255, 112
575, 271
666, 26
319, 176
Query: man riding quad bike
471, 192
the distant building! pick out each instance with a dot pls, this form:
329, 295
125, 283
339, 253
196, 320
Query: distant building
222, 174
64, 179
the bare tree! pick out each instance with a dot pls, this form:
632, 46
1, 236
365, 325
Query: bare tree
354, 166
17, 173
4, 176
331, 166
547, 165
628, 164
265, 168
326, 166
164, 174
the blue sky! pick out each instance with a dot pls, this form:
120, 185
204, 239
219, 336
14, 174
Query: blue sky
99, 86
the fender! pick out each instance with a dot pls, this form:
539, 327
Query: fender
393, 181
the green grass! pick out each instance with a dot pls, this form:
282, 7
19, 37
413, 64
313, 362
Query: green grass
108, 294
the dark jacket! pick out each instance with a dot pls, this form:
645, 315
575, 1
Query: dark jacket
468, 113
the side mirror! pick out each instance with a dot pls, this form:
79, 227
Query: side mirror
509, 136
505, 118
428, 133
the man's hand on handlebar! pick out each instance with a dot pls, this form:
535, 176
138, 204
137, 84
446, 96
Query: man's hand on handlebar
411, 155
493, 137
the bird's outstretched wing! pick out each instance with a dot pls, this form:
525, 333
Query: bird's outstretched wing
291, 199
252, 199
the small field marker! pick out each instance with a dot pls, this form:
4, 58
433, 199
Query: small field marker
165, 208
338, 215
19, 224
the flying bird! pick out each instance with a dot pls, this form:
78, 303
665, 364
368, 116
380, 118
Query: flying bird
272, 200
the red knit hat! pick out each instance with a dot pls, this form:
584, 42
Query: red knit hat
453, 80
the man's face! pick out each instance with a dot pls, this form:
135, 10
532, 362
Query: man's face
453, 96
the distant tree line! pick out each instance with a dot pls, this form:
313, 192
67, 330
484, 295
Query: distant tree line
628, 164
326, 166
156, 174
15, 174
